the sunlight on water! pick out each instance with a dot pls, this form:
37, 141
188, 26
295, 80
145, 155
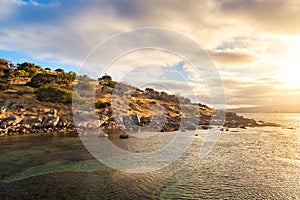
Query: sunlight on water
252, 163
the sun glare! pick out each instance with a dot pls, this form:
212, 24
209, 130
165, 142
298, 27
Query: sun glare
290, 73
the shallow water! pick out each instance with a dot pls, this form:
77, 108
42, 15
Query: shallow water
253, 163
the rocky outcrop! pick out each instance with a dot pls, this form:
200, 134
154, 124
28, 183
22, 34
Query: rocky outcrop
42, 121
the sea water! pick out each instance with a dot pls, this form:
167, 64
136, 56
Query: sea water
252, 163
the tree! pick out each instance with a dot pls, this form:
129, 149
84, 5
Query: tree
60, 70
30, 68
105, 78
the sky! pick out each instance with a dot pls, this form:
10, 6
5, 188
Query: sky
253, 44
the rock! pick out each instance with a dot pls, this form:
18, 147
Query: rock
191, 127
102, 135
23, 130
124, 136
204, 127
37, 125
127, 122
136, 119
29, 120
51, 121
4, 106
10, 121
53, 112
119, 122
3, 125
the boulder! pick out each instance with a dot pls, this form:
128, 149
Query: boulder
127, 122
11, 121
23, 130
191, 127
4, 106
51, 121
124, 136
136, 119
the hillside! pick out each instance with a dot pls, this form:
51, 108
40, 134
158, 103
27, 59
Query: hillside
35, 100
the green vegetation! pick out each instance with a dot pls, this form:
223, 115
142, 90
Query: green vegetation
107, 80
21, 73
5, 86
57, 94
54, 94
152, 102
29, 68
46, 78
100, 104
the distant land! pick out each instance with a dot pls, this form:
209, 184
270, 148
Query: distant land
268, 109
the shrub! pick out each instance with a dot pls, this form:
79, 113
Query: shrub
47, 78
77, 99
5, 86
54, 94
152, 102
22, 73
100, 104
30, 68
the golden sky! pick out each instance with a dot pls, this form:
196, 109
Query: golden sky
255, 44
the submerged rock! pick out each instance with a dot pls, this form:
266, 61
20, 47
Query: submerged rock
191, 127
102, 135
124, 136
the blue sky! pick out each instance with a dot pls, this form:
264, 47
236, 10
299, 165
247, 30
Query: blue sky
253, 43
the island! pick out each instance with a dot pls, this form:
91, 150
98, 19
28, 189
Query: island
39, 100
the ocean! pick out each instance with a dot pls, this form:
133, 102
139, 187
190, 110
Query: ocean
252, 163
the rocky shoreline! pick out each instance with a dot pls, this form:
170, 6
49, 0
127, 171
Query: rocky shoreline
51, 120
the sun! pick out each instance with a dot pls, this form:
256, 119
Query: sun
290, 62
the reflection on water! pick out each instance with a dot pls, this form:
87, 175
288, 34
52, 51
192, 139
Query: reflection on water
256, 163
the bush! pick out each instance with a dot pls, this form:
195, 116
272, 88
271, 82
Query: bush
100, 104
77, 99
22, 73
58, 95
47, 78
5, 86
152, 102
54, 94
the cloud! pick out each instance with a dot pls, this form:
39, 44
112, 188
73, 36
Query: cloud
245, 38
259, 91
275, 16
232, 57
7, 8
